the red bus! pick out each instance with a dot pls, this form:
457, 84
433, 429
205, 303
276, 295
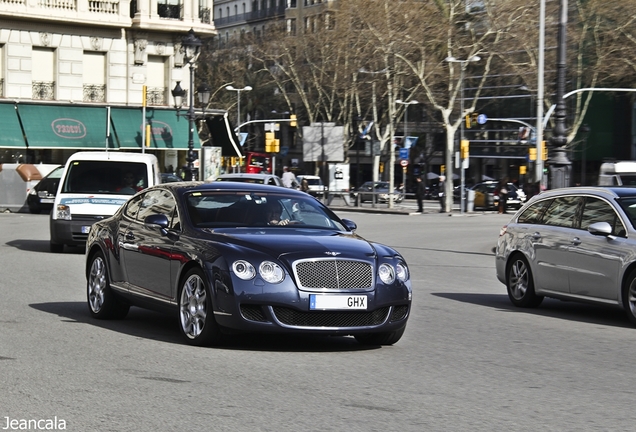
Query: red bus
258, 163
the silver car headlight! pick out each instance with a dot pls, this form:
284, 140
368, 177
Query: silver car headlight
386, 273
63, 212
271, 272
244, 270
402, 272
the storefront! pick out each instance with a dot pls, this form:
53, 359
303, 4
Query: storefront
50, 133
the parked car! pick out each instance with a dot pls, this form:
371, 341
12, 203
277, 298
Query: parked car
316, 186
487, 197
42, 196
228, 256
572, 244
267, 179
169, 178
381, 191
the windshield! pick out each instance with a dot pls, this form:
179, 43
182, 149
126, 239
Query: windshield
105, 177
629, 206
245, 209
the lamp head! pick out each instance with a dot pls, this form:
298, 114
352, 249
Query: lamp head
192, 46
203, 93
178, 94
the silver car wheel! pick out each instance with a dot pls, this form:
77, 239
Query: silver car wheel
193, 304
97, 284
519, 279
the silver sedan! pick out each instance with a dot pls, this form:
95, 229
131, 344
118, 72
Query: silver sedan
574, 244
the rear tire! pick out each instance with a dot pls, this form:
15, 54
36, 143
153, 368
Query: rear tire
102, 302
520, 283
385, 338
629, 297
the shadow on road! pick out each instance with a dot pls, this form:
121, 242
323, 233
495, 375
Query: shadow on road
571, 311
155, 326
42, 246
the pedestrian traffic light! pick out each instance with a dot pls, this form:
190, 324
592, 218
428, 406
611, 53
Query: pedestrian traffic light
464, 149
544, 151
381, 167
269, 142
532, 153
292, 120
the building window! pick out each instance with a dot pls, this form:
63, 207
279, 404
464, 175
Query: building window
291, 27
43, 73
170, 9
156, 84
94, 77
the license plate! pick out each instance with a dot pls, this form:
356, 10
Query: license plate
86, 229
326, 302
47, 200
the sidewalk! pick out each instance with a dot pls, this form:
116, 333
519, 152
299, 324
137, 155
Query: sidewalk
407, 208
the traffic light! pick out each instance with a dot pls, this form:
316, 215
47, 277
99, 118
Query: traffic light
270, 142
544, 151
293, 122
381, 167
532, 153
464, 149
442, 168
522, 170
471, 120
468, 121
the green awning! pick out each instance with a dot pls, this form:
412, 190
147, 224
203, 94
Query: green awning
65, 126
167, 130
11, 135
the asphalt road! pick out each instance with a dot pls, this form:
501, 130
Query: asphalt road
468, 361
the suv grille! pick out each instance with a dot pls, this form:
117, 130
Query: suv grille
296, 318
335, 274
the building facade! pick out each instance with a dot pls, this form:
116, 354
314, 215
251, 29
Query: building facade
85, 57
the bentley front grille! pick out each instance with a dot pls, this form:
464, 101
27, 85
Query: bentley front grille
335, 274
296, 318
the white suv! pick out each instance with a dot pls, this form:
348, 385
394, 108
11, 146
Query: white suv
316, 187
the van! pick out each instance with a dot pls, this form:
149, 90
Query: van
622, 173
93, 186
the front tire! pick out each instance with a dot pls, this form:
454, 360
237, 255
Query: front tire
196, 318
520, 283
102, 302
629, 297
386, 338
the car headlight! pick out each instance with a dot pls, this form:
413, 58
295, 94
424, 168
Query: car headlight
243, 270
271, 272
63, 212
402, 272
386, 274
33, 192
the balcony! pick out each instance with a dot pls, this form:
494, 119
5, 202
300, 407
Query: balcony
43, 90
94, 93
99, 12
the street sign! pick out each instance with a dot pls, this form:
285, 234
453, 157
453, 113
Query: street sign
404, 153
482, 119
404, 162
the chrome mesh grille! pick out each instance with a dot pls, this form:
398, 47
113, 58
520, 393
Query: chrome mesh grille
324, 319
335, 274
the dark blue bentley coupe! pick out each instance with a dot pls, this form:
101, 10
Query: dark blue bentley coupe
236, 256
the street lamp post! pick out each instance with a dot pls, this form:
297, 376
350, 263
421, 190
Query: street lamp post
238, 102
192, 45
406, 112
560, 165
463, 64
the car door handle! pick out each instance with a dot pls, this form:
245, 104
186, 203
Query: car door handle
536, 236
576, 241
130, 236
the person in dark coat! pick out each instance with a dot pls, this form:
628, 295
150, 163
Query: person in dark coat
420, 192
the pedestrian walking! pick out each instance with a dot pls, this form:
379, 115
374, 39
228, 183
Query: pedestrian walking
502, 191
441, 194
289, 179
420, 191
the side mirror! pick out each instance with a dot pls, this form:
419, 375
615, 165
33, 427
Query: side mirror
600, 229
157, 222
349, 224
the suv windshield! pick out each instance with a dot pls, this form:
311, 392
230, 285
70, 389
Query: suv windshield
109, 177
